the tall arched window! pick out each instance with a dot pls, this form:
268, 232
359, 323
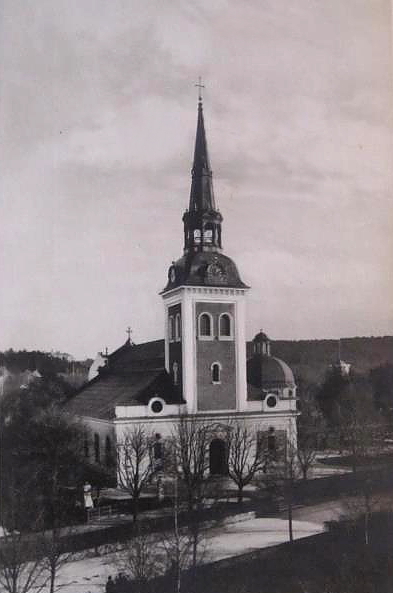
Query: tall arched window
205, 325
171, 329
225, 324
271, 441
177, 327
97, 455
175, 369
216, 372
86, 446
108, 451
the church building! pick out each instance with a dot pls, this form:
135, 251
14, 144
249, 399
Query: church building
203, 367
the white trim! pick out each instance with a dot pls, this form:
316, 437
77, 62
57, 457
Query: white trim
211, 290
269, 396
224, 337
150, 405
207, 337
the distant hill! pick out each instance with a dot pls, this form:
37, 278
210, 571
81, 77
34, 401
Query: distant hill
17, 368
310, 359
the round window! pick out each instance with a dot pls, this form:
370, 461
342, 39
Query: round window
271, 401
157, 406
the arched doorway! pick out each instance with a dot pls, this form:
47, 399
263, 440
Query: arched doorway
218, 458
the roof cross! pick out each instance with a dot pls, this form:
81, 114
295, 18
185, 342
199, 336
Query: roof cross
129, 332
200, 87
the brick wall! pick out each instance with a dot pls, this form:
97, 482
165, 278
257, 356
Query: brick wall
211, 396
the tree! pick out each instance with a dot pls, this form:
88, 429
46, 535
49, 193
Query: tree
381, 378
330, 399
191, 439
134, 464
139, 559
311, 430
56, 452
21, 567
191, 442
245, 459
183, 547
280, 474
363, 428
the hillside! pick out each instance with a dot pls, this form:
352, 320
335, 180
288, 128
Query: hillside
309, 359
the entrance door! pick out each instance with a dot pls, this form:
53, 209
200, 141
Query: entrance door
218, 458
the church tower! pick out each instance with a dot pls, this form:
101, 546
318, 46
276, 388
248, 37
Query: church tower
204, 299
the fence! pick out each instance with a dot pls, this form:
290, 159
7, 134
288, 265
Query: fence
99, 512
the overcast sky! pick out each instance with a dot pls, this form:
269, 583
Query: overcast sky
98, 117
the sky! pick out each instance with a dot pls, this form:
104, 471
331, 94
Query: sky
97, 123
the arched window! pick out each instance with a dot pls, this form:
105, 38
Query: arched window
197, 236
97, 455
171, 329
108, 451
225, 324
271, 441
86, 446
205, 325
208, 235
178, 327
158, 453
175, 369
216, 372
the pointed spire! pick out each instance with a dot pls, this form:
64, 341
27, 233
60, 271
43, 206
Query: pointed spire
202, 220
201, 195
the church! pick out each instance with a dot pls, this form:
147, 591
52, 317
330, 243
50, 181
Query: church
203, 368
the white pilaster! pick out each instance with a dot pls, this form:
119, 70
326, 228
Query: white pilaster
241, 354
188, 350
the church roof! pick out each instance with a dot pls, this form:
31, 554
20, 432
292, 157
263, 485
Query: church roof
268, 372
99, 398
205, 268
134, 373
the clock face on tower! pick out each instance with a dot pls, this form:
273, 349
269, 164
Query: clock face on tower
215, 273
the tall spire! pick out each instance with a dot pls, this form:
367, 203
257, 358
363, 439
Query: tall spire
202, 221
201, 195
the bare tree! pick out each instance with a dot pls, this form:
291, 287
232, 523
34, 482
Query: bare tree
306, 451
191, 440
54, 552
21, 570
281, 472
134, 464
364, 427
245, 459
183, 547
140, 559
311, 430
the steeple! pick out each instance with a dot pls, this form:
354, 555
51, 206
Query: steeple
201, 195
202, 221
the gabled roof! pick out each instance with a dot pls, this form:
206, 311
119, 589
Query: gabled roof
134, 373
148, 355
99, 398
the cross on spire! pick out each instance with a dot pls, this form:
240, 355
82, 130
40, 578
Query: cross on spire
200, 87
129, 332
